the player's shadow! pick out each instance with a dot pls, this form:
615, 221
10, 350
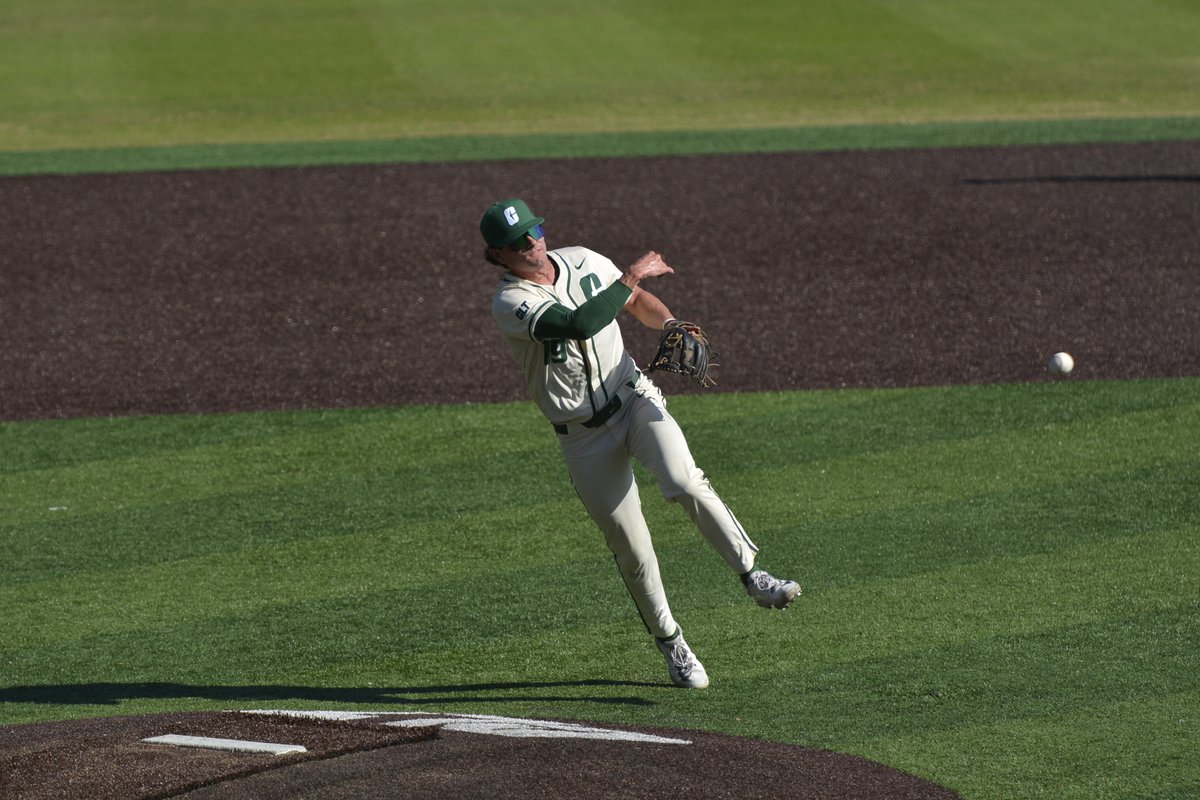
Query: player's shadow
114, 693
1085, 179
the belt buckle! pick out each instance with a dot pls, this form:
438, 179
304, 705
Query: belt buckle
600, 417
605, 414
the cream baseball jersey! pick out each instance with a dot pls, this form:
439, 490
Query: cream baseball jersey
569, 380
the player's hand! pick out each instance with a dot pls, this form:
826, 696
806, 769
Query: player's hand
690, 327
651, 265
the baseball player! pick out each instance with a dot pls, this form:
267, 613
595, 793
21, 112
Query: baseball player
557, 309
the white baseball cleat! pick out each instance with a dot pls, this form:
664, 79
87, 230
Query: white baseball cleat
771, 592
684, 668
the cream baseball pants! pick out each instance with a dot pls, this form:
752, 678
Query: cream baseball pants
599, 460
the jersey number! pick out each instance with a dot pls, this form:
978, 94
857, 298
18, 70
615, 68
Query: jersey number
554, 351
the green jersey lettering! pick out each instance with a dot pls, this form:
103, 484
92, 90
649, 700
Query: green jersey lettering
589, 284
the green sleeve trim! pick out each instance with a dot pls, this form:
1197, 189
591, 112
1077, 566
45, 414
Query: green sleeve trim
559, 322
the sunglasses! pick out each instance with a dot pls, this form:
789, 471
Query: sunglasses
526, 240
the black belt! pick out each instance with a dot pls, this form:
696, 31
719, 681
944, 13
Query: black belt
600, 417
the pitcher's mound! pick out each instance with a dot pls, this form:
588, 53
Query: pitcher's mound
422, 755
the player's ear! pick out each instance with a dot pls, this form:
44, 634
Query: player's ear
489, 257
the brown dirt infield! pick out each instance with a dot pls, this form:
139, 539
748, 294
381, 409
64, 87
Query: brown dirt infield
234, 290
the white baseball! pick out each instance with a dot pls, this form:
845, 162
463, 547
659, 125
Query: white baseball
1062, 363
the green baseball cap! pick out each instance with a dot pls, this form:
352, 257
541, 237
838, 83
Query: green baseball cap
507, 221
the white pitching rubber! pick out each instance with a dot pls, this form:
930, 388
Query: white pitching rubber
230, 745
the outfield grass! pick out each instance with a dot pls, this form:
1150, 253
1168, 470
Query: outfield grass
139, 73
602, 145
1002, 582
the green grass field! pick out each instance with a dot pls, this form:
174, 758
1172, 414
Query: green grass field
1002, 582
135, 85
138, 73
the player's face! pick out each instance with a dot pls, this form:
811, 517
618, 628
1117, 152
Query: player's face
526, 254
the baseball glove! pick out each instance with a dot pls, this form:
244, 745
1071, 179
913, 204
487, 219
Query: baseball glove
684, 350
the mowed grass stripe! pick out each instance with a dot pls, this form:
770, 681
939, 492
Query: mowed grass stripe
1020, 522
458, 148
832, 422
1003, 596
396, 504
415, 441
1023, 638
1142, 748
815, 493
57, 444
391, 579
837, 424
382, 498
827, 656
990, 679
433, 553
853, 705
835, 487
1006, 601
252, 521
